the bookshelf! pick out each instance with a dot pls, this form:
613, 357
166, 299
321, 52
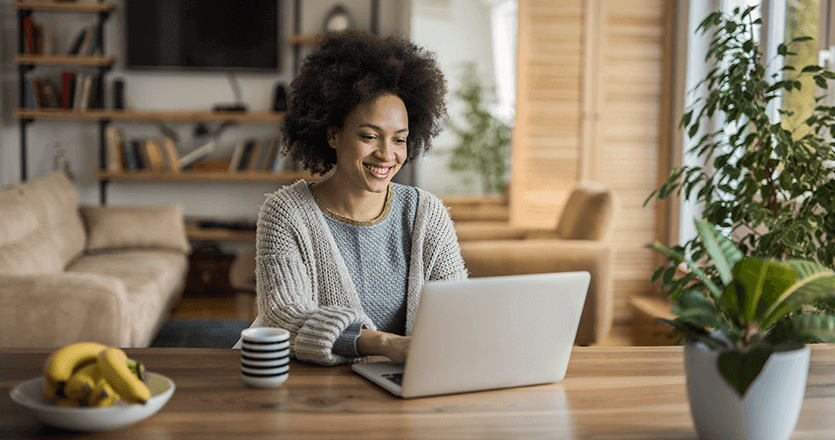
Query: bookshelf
103, 117
27, 61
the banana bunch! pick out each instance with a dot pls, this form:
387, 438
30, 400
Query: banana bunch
93, 374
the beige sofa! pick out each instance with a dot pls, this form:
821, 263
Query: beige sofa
580, 242
71, 273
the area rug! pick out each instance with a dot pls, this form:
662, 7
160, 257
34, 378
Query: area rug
199, 334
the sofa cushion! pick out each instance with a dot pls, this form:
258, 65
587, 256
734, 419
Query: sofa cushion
116, 227
588, 214
153, 281
41, 230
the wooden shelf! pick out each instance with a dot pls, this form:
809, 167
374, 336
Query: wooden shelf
302, 39
63, 6
201, 176
64, 60
218, 234
148, 116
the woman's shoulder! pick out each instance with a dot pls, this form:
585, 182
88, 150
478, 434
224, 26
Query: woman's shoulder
289, 201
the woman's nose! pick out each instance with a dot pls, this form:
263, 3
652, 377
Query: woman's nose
385, 151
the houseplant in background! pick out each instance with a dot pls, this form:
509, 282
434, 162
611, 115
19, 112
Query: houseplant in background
483, 140
759, 283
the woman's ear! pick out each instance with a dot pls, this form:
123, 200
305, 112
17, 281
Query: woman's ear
332, 132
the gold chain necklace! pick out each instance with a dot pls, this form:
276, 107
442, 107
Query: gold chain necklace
338, 217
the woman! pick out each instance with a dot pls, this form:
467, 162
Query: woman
340, 263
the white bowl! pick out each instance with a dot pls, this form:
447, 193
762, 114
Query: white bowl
28, 396
268, 355
264, 382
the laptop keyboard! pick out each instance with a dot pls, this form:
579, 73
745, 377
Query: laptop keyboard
395, 377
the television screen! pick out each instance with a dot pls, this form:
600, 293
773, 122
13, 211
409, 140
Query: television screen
222, 35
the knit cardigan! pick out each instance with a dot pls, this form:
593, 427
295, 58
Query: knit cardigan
302, 282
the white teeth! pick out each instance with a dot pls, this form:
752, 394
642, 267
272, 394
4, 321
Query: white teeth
377, 170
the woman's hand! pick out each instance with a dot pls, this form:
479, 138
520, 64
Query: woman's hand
374, 343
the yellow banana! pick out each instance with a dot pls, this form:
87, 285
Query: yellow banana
62, 363
137, 368
82, 382
113, 363
102, 395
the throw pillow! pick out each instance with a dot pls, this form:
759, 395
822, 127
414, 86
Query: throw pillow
117, 227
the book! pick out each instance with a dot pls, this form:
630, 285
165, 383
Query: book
85, 43
75, 46
36, 92
93, 44
30, 94
246, 155
67, 86
29, 35
129, 156
269, 156
139, 154
78, 90
85, 93
255, 155
113, 149
170, 151
95, 93
48, 39
199, 153
237, 153
50, 94
155, 157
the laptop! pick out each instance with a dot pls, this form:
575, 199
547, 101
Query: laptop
487, 333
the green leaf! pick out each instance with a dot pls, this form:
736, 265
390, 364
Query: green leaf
721, 250
814, 327
816, 283
782, 49
740, 368
802, 39
703, 278
693, 129
811, 68
761, 281
821, 82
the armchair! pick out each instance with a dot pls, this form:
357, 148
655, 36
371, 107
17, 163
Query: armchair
580, 242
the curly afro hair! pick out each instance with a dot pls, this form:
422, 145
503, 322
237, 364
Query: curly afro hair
354, 67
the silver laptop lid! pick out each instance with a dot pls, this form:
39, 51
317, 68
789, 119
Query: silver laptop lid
495, 332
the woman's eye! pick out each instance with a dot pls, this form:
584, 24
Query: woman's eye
368, 137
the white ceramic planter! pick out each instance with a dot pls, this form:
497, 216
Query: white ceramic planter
769, 409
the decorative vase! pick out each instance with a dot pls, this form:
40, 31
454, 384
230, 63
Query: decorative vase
767, 411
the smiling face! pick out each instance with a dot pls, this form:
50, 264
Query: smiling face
371, 145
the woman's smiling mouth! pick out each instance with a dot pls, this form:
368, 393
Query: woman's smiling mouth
379, 172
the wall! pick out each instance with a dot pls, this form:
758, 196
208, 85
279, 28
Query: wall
150, 90
594, 100
457, 31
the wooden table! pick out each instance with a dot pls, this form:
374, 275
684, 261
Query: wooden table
608, 393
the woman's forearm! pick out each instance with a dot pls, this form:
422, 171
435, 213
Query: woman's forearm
376, 343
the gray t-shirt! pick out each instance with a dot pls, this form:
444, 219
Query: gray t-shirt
377, 255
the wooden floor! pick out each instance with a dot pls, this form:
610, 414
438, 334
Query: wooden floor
228, 306
242, 307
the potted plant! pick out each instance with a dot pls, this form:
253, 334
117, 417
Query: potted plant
758, 284
746, 322
483, 140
